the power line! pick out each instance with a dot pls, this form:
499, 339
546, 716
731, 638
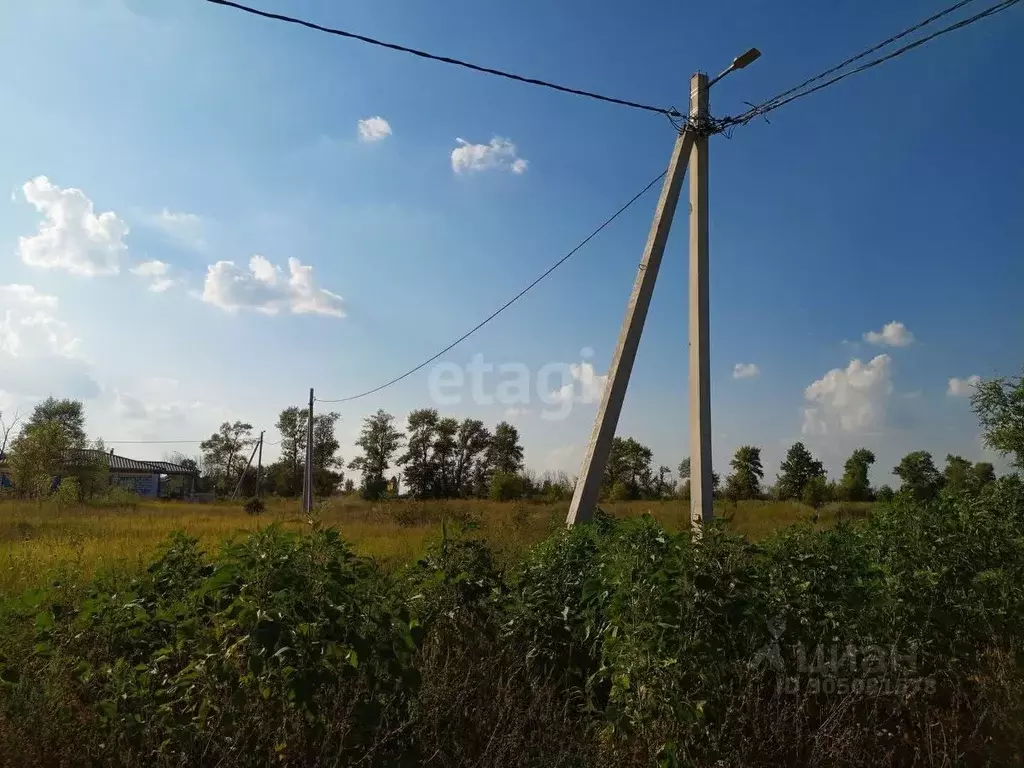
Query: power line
507, 304
670, 111
152, 442
796, 93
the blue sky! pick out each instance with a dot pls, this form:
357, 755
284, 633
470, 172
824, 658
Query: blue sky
212, 136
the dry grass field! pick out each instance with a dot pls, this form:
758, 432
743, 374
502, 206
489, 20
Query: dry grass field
41, 543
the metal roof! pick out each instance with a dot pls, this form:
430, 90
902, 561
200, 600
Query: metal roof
121, 463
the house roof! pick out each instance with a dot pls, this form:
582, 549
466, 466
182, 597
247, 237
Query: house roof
121, 463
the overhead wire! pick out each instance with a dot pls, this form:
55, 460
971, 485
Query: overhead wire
152, 442
795, 93
504, 306
670, 111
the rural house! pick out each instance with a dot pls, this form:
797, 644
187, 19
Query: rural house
149, 479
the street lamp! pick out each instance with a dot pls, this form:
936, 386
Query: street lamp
738, 63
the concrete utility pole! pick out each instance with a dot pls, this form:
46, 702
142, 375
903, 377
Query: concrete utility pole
584, 499
691, 148
700, 357
307, 480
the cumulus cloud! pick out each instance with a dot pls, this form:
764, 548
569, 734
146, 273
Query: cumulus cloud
156, 272
188, 229
373, 129
39, 353
963, 387
853, 399
591, 385
745, 370
264, 288
892, 335
71, 236
498, 154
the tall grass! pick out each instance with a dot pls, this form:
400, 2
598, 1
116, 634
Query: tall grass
41, 542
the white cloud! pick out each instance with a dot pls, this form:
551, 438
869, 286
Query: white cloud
514, 412
850, 400
892, 335
499, 153
591, 385
373, 129
963, 387
156, 272
264, 288
39, 353
188, 229
71, 236
745, 370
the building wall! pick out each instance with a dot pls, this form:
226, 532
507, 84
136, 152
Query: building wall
144, 484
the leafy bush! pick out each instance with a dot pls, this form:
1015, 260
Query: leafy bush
255, 506
68, 493
506, 486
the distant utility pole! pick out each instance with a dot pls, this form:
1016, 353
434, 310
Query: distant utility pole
259, 470
307, 482
241, 477
691, 147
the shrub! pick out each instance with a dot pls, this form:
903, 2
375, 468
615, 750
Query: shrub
68, 493
506, 486
255, 506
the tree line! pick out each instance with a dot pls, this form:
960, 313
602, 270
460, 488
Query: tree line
441, 457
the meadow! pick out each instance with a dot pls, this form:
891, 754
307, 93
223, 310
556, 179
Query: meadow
42, 541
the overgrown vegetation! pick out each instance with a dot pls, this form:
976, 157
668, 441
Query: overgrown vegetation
615, 643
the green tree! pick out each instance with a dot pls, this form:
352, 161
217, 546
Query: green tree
958, 476
445, 457
920, 479
379, 440
798, 468
418, 463
627, 473
505, 454
745, 480
984, 474
999, 405
854, 485
885, 494
663, 483
471, 442
291, 425
36, 457
68, 415
224, 454
684, 469
815, 493
327, 464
